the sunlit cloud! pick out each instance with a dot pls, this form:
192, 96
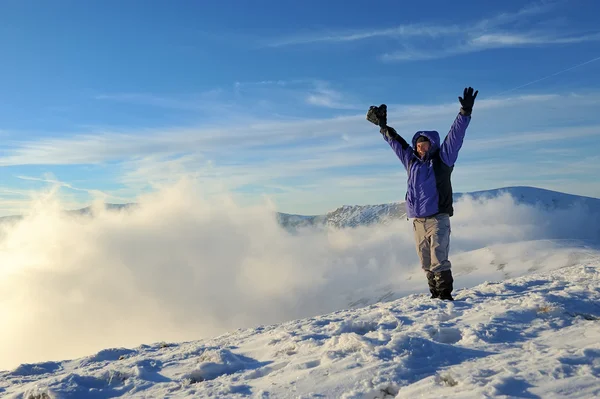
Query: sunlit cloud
70, 286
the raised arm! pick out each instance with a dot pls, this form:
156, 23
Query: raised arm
402, 149
454, 140
378, 116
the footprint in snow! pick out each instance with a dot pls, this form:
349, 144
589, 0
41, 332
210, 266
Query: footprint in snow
445, 335
357, 327
310, 364
590, 360
264, 371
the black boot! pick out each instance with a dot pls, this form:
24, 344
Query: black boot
444, 285
432, 285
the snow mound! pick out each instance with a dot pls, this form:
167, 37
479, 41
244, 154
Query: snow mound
533, 336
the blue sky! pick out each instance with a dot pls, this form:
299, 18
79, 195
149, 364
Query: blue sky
110, 99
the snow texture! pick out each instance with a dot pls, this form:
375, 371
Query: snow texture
536, 336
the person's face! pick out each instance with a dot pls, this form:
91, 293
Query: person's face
422, 148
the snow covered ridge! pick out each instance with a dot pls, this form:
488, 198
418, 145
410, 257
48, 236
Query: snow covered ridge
345, 217
365, 215
535, 336
348, 216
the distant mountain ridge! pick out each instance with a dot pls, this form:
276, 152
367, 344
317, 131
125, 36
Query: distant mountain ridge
349, 216
88, 211
346, 216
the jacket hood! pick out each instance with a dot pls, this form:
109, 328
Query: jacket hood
432, 135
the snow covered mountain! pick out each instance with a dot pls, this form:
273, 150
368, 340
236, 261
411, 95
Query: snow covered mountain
346, 216
365, 215
536, 336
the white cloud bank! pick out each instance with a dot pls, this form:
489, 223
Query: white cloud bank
181, 267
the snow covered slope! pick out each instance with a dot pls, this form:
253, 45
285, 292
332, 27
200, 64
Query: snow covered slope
535, 336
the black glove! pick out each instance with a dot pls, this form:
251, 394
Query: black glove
468, 101
378, 115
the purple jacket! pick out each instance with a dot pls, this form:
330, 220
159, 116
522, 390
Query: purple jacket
429, 187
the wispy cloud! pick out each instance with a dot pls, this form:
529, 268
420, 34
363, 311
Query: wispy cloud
410, 30
504, 18
240, 84
486, 42
337, 169
324, 96
320, 162
358, 35
150, 100
192, 102
14, 192
295, 158
94, 192
431, 41
538, 138
241, 98
239, 138
508, 39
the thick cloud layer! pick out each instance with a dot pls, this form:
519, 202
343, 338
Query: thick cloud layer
180, 267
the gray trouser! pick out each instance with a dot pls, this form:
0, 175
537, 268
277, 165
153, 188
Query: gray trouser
432, 236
